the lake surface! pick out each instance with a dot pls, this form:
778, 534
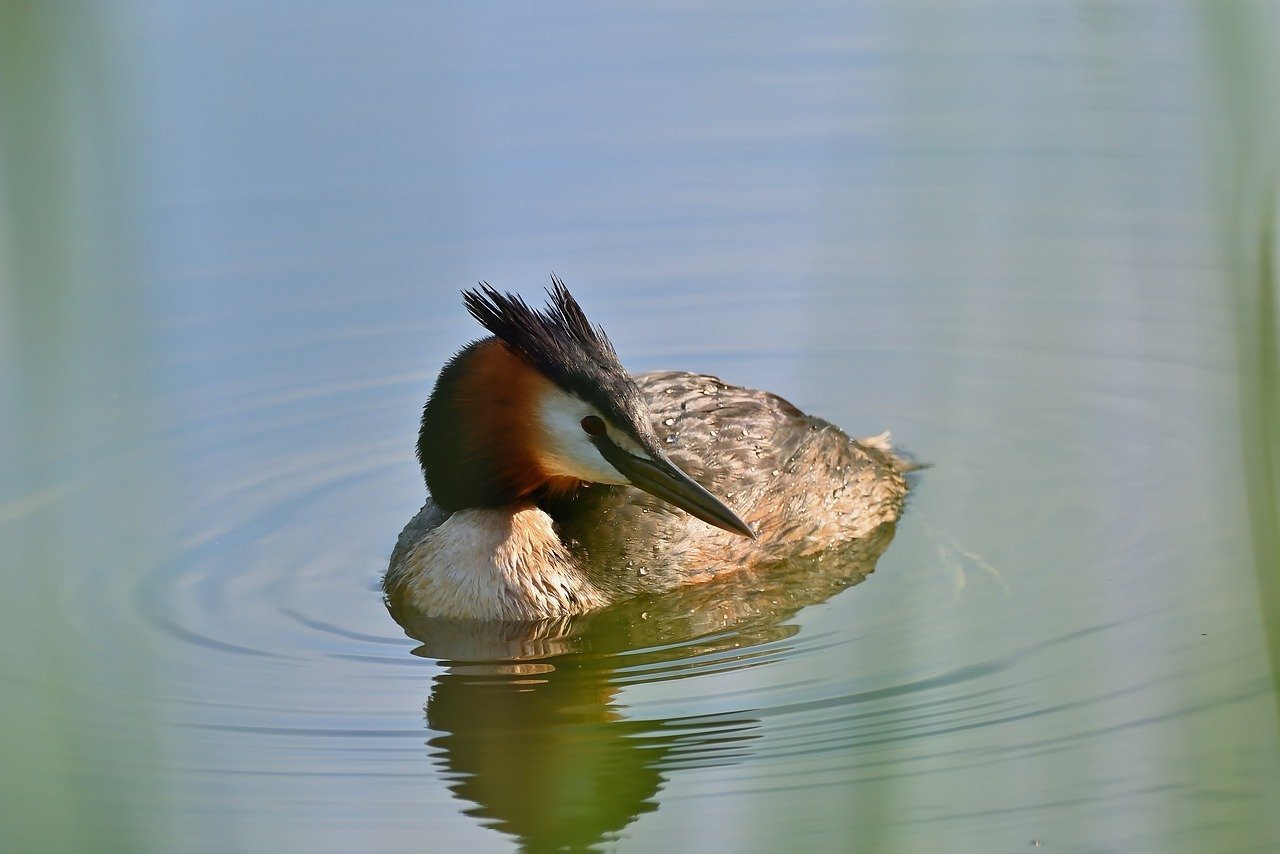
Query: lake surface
1027, 238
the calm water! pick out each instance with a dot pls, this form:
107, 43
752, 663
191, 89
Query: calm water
1023, 237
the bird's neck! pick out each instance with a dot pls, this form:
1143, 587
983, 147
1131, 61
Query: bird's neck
476, 439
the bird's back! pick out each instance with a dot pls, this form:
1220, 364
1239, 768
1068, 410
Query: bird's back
799, 481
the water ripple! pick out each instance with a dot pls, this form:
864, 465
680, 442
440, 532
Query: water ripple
279, 646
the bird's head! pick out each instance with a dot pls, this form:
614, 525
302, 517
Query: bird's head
542, 407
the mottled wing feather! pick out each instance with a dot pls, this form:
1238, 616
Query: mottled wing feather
799, 481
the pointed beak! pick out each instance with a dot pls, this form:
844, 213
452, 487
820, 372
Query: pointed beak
659, 477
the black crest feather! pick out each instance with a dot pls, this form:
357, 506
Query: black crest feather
557, 340
542, 336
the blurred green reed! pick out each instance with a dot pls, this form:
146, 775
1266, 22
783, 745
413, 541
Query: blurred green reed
77, 741
1243, 40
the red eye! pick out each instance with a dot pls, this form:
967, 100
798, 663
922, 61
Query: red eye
593, 426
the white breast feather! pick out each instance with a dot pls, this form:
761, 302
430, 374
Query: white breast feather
495, 565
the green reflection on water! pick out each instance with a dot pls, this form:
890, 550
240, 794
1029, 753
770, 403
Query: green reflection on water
532, 734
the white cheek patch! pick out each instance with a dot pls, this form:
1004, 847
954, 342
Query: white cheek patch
565, 448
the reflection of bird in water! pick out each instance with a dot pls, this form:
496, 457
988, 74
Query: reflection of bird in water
560, 483
540, 741
548, 756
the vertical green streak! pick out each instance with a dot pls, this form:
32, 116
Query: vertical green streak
1260, 418
1243, 44
76, 740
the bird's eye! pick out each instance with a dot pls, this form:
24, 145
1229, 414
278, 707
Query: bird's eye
592, 425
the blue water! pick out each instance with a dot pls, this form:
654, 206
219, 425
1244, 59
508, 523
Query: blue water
995, 230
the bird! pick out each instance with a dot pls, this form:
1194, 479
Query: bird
558, 483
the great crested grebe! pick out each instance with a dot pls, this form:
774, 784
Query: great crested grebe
559, 483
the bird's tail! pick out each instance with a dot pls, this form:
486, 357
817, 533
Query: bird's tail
883, 442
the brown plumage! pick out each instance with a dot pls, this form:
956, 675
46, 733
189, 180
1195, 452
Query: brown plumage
497, 395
